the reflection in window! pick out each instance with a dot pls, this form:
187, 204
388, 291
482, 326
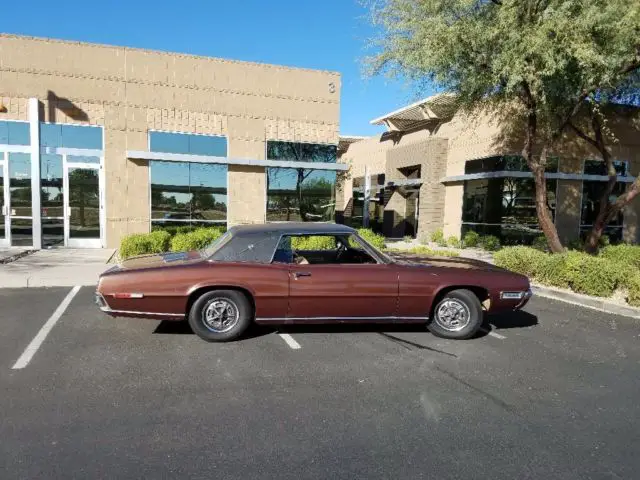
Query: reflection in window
376, 204
188, 193
20, 184
188, 143
70, 136
298, 194
301, 152
511, 163
592, 192
84, 203
598, 167
52, 200
504, 207
14, 133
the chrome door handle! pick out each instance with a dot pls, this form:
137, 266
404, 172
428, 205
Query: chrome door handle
297, 275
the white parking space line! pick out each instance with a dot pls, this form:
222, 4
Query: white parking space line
496, 335
33, 347
290, 341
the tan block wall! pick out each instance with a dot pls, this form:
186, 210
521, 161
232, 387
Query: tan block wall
130, 91
247, 185
431, 155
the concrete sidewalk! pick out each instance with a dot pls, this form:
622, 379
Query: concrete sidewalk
56, 267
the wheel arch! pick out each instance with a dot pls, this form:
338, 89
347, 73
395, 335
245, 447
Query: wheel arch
198, 291
480, 292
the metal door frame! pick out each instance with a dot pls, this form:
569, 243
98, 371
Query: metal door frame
4, 168
82, 242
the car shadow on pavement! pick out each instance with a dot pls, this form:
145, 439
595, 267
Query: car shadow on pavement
172, 327
518, 319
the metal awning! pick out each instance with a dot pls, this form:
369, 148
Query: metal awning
436, 108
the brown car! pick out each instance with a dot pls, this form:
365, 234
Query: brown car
306, 273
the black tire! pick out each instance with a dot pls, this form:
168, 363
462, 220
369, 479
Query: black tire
464, 302
209, 304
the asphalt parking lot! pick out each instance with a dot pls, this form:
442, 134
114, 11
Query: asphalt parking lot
551, 392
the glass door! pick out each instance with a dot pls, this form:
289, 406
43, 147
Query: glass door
4, 204
83, 205
19, 220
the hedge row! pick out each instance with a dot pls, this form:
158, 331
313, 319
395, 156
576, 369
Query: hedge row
160, 241
426, 251
600, 276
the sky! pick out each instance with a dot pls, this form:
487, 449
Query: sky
327, 35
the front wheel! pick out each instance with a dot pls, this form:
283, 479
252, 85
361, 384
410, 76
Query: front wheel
220, 315
458, 315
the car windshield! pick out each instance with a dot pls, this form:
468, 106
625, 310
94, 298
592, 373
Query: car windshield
216, 244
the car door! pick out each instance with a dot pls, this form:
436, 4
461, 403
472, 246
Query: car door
342, 292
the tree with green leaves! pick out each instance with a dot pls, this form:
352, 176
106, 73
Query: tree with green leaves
543, 66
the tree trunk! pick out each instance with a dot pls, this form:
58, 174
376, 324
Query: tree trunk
605, 212
610, 211
537, 167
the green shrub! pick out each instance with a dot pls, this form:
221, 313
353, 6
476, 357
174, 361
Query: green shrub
624, 254
525, 260
144, 243
591, 275
371, 237
407, 238
453, 242
633, 286
490, 243
174, 230
438, 236
314, 242
576, 244
471, 239
426, 251
195, 240
552, 270
540, 243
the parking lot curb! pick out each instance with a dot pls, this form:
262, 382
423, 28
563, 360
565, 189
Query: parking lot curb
586, 301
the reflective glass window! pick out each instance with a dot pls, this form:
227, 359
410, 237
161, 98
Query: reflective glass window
52, 199
188, 143
70, 136
598, 167
188, 193
297, 194
505, 207
511, 163
20, 184
301, 152
14, 133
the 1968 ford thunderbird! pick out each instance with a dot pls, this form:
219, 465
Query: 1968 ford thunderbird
255, 273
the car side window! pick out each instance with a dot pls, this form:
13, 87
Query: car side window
320, 250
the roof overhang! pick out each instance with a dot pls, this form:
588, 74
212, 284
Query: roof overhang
437, 108
345, 140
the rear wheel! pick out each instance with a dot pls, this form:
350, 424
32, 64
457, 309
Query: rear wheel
458, 315
220, 315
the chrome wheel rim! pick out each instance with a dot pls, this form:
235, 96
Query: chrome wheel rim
221, 315
452, 315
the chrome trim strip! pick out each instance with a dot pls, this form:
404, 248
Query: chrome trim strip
507, 295
271, 319
108, 309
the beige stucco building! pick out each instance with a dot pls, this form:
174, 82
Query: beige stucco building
97, 142
435, 168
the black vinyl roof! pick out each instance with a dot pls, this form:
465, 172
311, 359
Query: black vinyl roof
291, 228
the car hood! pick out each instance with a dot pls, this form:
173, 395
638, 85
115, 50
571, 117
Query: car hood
169, 259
